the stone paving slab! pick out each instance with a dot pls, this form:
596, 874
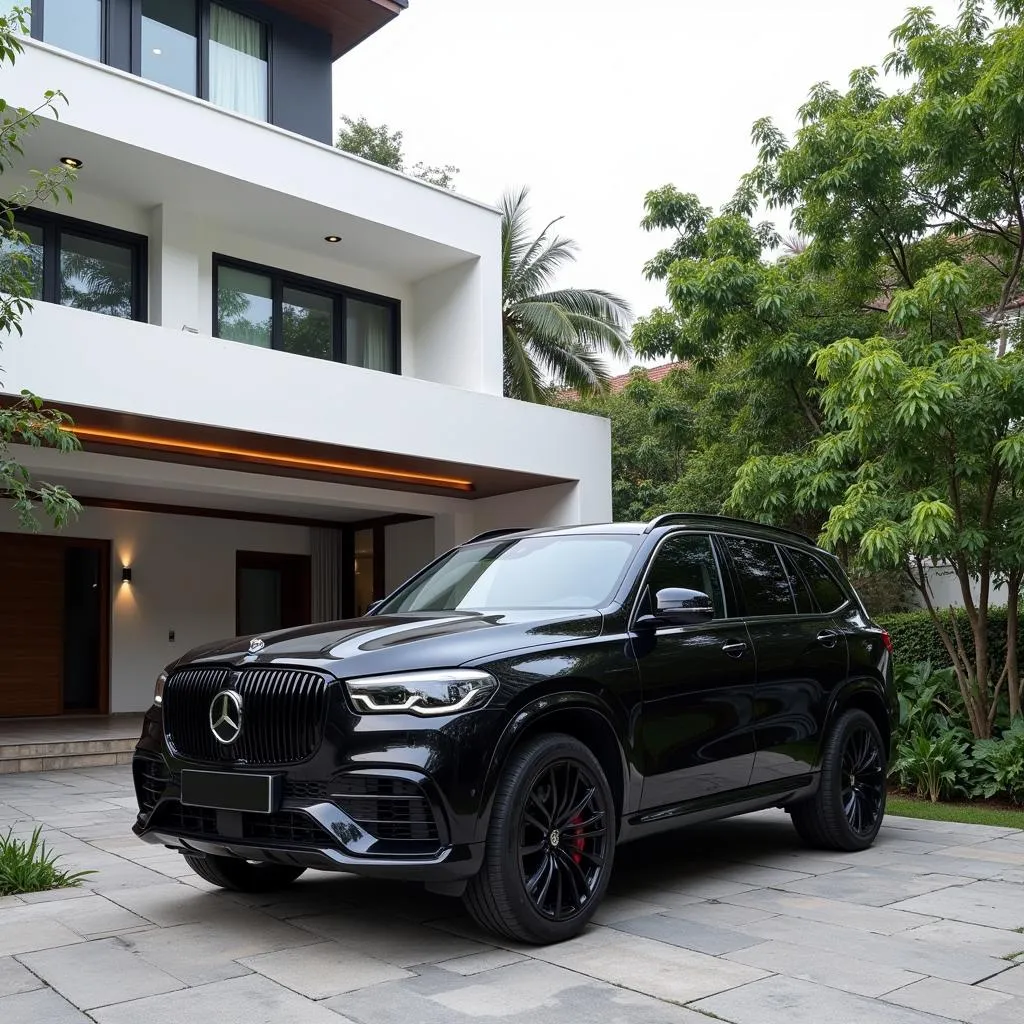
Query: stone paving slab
735, 920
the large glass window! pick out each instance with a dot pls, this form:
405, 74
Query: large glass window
170, 46
75, 25
238, 62
305, 317
22, 258
82, 265
763, 580
245, 307
96, 275
307, 323
578, 572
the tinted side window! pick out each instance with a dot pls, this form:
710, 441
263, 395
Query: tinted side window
827, 592
763, 581
687, 560
804, 601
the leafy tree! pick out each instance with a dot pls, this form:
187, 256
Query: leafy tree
651, 440
383, 146
553, 338
913, 204
26, 421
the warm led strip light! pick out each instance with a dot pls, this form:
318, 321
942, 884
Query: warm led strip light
299, 462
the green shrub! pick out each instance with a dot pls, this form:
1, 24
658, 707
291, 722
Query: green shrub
915, 638
999, 764
930, 702
935, 766
28, 866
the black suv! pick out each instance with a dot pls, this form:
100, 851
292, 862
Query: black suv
521, 706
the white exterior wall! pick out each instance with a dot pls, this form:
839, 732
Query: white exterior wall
944, 587
183, 579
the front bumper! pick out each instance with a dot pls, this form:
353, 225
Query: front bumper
403, 805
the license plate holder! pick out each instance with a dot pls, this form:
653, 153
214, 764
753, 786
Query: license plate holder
231, 791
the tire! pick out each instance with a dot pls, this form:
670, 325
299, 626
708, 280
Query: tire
847, 810
549, 854
242, 875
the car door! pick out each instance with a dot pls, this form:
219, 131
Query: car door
801, 656
696, 728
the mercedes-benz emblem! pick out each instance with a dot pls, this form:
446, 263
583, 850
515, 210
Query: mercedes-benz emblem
226, 716
256, 645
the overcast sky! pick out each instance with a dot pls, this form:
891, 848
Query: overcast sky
594, 102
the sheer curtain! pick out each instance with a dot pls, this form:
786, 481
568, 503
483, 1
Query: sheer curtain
369, 335
238, 65
326, 550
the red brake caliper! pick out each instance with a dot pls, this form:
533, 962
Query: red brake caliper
577, 838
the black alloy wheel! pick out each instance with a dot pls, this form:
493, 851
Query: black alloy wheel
863, 785
846, 811
550, 843
563, 840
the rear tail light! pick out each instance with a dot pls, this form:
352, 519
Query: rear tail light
886, 641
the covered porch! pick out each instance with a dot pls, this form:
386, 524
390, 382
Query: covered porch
73, 741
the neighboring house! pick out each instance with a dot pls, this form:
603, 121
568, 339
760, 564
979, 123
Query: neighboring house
284, 362
618, 384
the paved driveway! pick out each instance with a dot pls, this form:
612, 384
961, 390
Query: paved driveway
732, 921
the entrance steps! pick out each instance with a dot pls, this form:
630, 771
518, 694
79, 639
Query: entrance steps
52, 744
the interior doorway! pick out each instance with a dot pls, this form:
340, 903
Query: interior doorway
271, 592
54, 626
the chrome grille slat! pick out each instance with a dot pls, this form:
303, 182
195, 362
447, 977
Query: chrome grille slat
283, 713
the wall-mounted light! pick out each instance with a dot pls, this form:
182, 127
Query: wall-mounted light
333, 239
126, 574
73, 162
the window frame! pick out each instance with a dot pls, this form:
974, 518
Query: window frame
741, 597
108, 26
53, 225
281, 279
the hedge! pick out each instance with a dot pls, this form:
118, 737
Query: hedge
915, 638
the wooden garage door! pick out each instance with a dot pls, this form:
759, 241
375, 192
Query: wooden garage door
31, 625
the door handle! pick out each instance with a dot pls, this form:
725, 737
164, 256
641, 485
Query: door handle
827, 638
735, 650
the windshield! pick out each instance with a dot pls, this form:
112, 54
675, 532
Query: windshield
525, 573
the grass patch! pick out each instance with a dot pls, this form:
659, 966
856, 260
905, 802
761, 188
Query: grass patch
26, 865
972, 813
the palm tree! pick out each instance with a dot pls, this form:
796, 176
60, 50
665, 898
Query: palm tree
552, 339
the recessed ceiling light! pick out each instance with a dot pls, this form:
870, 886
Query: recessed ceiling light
333, 239
157, 50
71, 161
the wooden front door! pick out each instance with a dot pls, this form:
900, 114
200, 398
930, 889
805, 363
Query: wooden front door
44, 581
31, 625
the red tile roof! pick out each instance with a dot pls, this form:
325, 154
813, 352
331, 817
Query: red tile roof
617, 384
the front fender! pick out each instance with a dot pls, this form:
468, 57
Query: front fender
530, 718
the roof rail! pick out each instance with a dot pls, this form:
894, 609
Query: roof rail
487, 534
682, 518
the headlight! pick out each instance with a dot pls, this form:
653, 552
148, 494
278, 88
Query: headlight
158, 689
442, 692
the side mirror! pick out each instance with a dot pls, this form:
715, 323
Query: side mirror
678, 606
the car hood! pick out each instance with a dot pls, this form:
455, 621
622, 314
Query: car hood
376, 644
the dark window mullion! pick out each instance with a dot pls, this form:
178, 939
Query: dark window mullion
204, 49
341, 304
51, 262
277, 317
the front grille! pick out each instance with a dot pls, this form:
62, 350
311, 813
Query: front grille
283, 713
151, 778
305, 790
389, 809
290, 828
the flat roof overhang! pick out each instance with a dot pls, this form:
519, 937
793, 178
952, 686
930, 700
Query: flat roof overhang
116, 433
349, 22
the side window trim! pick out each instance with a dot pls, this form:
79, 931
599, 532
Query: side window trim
645, 577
